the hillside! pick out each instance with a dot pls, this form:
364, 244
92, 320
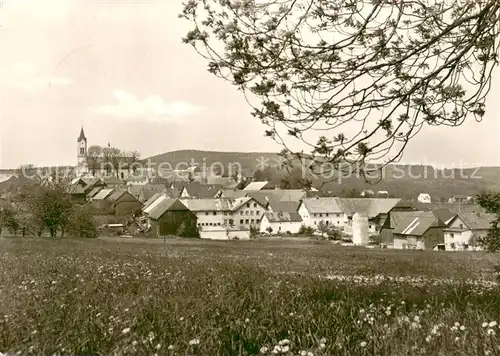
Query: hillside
405, 181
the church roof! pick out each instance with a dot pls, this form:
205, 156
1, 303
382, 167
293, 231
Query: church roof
82, 135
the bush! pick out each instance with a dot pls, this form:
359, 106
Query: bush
254, 231
82, 223
334, 234
306, 230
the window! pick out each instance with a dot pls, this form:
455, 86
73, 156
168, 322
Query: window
461, 226
452, 235
251, 213
315, 223
215, 213
225, 213
206, 213
210, 224
248, 205
241, 221
241, 213
254, 205
251, 221
246, 212
218, 224
320, 215
327, 223
326, 214
246, 221
82, 150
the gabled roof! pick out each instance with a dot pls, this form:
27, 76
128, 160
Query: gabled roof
166, 205
94, 191
91, 181
198, 190
157, 187
321, 205
475, 221
283, 217
284, 206
117, 194
231, 193
372, 207
153, 202
240, 202
76, 189
135, 190
103, 194
265, 196
256, 185
443, 214
221, 204
112, 181
414, 223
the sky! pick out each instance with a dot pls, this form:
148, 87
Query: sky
120, 69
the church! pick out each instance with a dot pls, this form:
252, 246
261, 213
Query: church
104, 163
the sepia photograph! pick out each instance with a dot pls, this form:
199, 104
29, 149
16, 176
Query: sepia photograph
249, 177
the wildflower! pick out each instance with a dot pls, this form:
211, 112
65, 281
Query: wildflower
491, 332
125, 331
322, 346
462, 328
363, 343
310, 353
492, 324
158, 346
181, 318
263, 350
284, 342
485, 324
194, 342
322, 340
247, 320
285, 349
134, 343
170, 347
303, 353
416, 318
428, 339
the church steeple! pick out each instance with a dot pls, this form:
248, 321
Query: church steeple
82, 136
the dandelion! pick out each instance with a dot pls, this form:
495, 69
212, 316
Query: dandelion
194, 342
125, 331
363, 343
263, 350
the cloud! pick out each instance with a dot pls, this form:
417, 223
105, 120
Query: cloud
24, 76
128, 106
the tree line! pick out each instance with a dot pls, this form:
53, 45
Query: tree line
111, 159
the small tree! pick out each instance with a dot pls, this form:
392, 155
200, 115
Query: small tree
269, 230
254, 232
306, 230
334, 234
322, 228
82, 223
491, 203
9, 219
93, 158
50, 205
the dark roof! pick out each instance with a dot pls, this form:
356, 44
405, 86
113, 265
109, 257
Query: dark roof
283, 217
443, 214
166, 205
234, 193
94, 191
135, 190
476, 221
76, 189
82, 135
284, 206
264, 196
117, 194
112, 181
413, 223
202, 190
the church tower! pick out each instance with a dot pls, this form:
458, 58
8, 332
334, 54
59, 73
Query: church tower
82, 165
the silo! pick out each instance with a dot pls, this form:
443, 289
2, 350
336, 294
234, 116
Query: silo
360, 229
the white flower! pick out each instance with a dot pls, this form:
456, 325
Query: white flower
492, 324
428, 339
284, 342
263, 350
491, 332
322, 340
170, 347
457, 324
158, 346
416, 318
125, 331
181, 318
485, 325
285, 349
134, 343
194, 342
322, 346
462, 327
363, 343
310, 353
247, 320
303, 353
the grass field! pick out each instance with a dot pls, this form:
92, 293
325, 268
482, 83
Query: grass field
243, 298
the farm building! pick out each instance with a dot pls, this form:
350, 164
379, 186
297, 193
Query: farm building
123, 203
281, 222
413, 230
464, 230
171, 217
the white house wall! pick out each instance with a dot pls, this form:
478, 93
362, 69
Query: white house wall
336, 219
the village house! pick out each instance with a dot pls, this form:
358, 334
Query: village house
203, 191
465, 229
413, 230
281, 222
314, 210
123, 203
170, 217
424, 198
257, 185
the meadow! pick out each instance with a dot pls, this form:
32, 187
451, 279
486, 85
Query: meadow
111, 297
